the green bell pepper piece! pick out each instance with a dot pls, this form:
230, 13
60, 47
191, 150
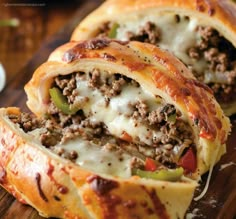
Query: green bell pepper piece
172, 118
164, 174
60, 101
113, 31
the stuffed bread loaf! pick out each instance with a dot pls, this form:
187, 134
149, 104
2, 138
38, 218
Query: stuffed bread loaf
200, 33
123, 130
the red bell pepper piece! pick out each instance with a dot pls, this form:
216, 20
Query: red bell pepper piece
150, 164
189, 161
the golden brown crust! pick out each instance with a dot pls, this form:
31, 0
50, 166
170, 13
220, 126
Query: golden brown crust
156, 71
220, 14
59, 188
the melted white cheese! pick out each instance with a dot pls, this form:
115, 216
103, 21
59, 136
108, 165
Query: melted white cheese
223, 166
213, 161
118, 119
177, 37
117, 113
94, 157
99, 159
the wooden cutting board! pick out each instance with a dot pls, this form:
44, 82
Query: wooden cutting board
218, 203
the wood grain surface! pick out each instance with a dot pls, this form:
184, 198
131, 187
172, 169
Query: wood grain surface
220, 200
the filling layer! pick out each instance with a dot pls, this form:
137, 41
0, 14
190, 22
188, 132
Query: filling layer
210, 56
109, 124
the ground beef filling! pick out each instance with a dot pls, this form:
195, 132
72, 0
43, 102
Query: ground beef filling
166, 148
219, 54
221, 58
